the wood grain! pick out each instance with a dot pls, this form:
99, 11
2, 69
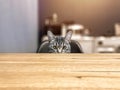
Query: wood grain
59, 71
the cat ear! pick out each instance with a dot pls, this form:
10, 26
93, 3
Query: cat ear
68, 36
50, 35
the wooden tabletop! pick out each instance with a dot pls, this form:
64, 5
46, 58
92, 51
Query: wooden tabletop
59, 71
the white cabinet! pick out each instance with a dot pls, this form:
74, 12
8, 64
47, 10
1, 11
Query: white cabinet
86, 42
99, 44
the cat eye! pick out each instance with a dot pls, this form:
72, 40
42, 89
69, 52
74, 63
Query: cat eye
55, 47
64, 47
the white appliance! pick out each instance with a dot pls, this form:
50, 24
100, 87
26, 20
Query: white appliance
107, 44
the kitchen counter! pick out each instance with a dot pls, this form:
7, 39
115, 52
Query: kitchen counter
59, 71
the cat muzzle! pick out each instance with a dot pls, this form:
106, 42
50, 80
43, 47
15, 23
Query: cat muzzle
59, 50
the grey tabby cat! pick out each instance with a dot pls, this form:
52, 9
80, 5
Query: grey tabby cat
58, 44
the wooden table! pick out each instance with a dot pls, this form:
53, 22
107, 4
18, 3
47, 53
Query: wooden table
59, 71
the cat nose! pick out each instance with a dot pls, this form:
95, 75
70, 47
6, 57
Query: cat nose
59, 50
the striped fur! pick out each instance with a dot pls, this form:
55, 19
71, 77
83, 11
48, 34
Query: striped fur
58, 44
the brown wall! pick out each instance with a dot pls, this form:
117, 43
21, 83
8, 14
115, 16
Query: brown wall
97, 15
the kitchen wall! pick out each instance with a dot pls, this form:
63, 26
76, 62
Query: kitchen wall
18, 25
97, 15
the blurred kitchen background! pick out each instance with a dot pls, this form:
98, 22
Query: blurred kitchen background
95, 24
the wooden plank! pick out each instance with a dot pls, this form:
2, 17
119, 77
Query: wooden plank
36, 80
59, 71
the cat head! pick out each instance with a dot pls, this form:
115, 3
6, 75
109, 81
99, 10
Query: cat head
58, 44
